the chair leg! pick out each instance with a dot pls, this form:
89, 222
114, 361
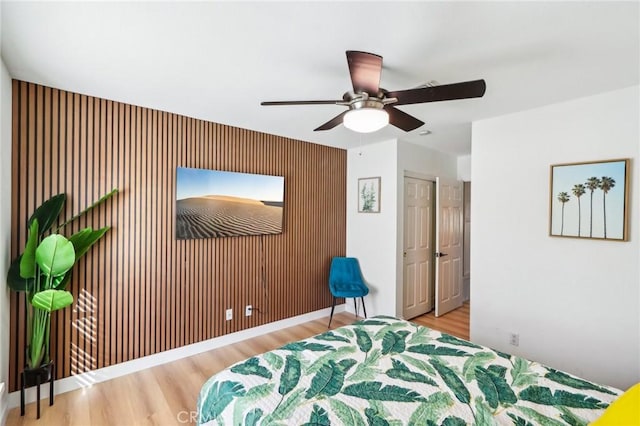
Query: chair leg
355, 306
332, 308
363, 308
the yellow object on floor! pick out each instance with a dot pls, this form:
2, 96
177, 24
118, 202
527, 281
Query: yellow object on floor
624, 411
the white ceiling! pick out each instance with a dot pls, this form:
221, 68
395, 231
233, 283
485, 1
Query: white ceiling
217, 61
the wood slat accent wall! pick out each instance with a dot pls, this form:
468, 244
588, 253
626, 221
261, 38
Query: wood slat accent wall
140, 291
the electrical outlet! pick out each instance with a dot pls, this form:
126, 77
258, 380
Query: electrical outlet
514, 339
229, 314
248, 310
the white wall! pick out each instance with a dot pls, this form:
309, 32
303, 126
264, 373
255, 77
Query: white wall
376, 238
575, 303
5, 228
464, 168
371, 237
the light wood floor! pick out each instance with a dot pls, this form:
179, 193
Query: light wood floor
455, 322
167, 394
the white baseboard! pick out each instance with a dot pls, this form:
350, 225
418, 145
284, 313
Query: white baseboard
107, 373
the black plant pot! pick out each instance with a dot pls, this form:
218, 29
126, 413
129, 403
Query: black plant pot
40, 375
35, 377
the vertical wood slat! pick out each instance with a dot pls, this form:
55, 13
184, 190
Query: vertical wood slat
140, 291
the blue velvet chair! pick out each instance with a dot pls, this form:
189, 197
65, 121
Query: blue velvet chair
345, 280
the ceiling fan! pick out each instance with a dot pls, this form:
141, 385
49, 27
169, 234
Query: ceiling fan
371, 107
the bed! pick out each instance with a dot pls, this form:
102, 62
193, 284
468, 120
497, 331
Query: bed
386, 371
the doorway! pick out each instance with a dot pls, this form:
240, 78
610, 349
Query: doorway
432, 257
418, 247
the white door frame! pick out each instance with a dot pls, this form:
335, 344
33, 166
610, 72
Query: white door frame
400, 261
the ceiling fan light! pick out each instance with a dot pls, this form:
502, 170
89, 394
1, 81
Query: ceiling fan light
366, 120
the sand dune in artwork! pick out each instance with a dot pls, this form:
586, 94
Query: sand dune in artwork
225, 216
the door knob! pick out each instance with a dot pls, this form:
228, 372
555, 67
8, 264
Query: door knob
440, 254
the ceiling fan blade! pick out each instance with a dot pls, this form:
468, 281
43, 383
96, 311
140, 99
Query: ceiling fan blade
446, 92
365, 69
402, 120
332, 123
268, 103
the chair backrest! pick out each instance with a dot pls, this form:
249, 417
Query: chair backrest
345, 269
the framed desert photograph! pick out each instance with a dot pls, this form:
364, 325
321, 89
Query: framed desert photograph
216, 203
590, 200
369, 195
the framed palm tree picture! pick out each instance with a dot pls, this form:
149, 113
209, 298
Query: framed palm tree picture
590, 200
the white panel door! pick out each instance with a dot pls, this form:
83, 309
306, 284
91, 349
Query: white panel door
449, 262
419, 243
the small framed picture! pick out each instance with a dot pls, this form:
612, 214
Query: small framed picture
590, 200
369, 195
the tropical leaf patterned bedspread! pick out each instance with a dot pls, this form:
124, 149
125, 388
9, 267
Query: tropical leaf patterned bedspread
385, 371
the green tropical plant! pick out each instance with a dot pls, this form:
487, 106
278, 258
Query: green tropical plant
44, 269
592, 184
606, 184
368, 196
563, 197
579, 190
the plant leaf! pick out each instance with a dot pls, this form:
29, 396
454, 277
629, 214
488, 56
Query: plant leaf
290, 376
376, 391
479, 358
48, 213
577, 400
454, 421
432, 409
482, 414
519, 421
331, 337
572, 418
539, 419
393, 342
418, 363
436, 350
363, 340
252, 366
347, 415
447, 338
505, 393
374, 418
328, 381
305, 346
497, 370
85, 238
452, 380
15, 281
543, 395
401, 372
486, 386
370, 322
55, 255
92, 206
253, 417
220, 395
248, 400
28, 261
574, 382
275, 361
52, 300
60, 282
318, 417
285, 409
520, 374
